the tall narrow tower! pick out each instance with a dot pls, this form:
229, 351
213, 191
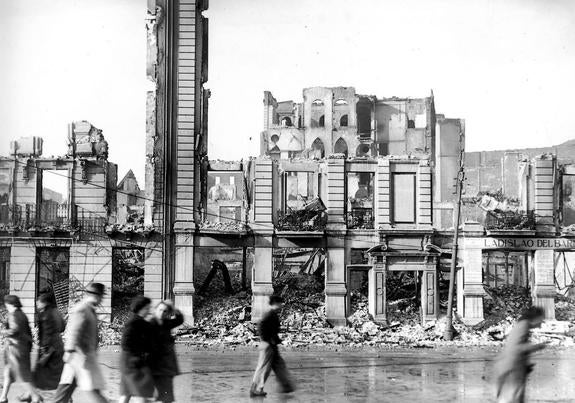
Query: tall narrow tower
176, 138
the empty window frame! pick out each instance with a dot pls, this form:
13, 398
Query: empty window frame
404, 197
359, 200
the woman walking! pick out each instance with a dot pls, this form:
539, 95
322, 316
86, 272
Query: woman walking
137, 345
164, 361
17, 350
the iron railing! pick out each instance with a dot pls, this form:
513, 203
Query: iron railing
360, 218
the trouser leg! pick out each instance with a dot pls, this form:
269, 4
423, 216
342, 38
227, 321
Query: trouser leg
96, 396
280, 369
64, 392
264, 367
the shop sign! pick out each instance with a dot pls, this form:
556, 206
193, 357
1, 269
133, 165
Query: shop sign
521, 243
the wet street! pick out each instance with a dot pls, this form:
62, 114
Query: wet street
420, 375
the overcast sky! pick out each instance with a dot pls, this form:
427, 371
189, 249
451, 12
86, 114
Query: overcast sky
506, 67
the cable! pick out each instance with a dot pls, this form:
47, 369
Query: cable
192, 210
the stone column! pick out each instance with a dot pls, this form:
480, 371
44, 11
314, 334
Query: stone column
473, 292
335, 277
544, 288
544, 199
382, 215
429, 296
263, 228
424, 200
184, 275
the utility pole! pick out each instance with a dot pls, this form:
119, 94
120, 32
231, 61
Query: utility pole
449, 330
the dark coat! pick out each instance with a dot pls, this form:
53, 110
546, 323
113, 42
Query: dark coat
164, 361
137, 345
18, 346
270, 327
51, 349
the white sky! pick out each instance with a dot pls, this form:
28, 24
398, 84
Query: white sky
508, 68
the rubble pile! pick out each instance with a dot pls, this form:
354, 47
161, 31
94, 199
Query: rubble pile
564, 308
227, 226
311, 217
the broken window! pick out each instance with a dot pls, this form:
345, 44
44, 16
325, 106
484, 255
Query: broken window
568, 196
340, 147
286, 121
317, 149
127, 279
411, 124
274, 138
298, 189
230, 214
53, 274
321, 121
403, 193
362, 150
54, 207
363, 110
343, 121
360, 200
505, 268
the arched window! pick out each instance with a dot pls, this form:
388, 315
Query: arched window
275, 138
341, 102
317, 149
343, 121
411, 124
322, 121
340, 147
317, 102
286, 121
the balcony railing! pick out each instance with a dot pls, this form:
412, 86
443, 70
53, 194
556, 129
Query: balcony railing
50, 217
510, 220
360, 218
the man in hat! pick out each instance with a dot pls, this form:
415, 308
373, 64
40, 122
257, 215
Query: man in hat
81, 368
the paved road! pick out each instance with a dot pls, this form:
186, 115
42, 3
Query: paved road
421, 375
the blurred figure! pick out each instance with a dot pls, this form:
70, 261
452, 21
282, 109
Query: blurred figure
81, 368
269, 357
51, 348
17, 350
137, 345
164, 361
513, 365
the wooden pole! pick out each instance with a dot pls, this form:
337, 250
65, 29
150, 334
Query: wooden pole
449, 330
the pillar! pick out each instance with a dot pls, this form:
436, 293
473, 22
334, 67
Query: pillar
544, 288
184, 275
544, 199
382, 215
263, 229
473, 292
377, 303
335, 275
429, 296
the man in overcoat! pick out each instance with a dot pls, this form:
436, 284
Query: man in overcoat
81, 368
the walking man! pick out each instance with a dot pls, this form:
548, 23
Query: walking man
513, 365
269, 357
81, 368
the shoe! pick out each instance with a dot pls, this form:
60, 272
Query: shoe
253, 393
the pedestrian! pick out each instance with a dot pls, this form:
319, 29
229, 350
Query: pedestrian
513, 365
269, 356
81, 368
137, 345
18, 345
164, 362
49, 364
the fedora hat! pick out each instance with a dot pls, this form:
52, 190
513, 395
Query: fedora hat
96, 288
13, 300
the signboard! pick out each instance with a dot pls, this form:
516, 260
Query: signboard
519, 243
